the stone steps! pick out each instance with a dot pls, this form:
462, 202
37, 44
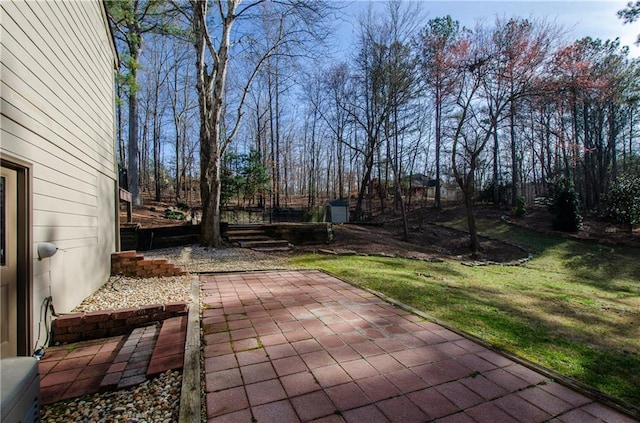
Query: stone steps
248, 237
271, 243
255, 238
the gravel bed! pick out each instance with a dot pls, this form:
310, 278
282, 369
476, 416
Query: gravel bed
195, 258
153, 401
124, 292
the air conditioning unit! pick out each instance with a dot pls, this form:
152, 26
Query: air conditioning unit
20, 389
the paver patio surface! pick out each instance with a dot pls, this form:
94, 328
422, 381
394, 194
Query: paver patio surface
291, 346
86, 367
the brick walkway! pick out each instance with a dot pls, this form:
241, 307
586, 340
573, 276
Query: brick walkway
304, 346
87, 367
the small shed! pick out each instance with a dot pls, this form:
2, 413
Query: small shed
336, 211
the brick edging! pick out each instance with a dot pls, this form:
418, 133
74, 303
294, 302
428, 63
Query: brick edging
130, 263
85, 326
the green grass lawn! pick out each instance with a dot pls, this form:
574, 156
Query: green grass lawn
574, 308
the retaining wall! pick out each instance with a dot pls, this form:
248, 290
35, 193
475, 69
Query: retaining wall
76, 327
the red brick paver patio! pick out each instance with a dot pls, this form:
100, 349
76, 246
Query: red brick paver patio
87, 367
295, 346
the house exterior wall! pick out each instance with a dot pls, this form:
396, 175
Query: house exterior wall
57, 115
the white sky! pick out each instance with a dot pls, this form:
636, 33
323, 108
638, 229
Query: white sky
594, 18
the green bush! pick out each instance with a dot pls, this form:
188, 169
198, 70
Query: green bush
565, 206
623, 201
174, 214
486, 194
520, 209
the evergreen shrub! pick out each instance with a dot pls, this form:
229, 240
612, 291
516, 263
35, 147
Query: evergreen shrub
565, 205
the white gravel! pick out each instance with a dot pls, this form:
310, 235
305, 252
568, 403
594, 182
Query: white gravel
195, 258
154, 401
124, 292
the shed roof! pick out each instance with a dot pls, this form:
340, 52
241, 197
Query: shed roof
337, 203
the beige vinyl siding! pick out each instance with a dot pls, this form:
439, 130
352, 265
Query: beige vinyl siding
30, 141
70, 53
50, 86
57, 113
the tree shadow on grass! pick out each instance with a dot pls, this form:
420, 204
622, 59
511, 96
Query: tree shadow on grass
609, 268
550, 333
558, 326
606, 267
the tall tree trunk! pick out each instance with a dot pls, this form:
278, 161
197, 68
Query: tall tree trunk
177, 151
382, 188
474, 242
277, 141
339, 153
364, 183
496, 177
156, 150
515, 163
285, 171
272, 136
211, 90
133, 151
613, 134
121, 143
438, 195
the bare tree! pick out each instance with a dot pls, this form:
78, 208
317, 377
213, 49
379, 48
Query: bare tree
402, 90
336, 116
214, 41
155, 80
435, 44
371, 106
472, 126
131, 20
180, 96
521, 48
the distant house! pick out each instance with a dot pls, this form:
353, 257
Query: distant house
420, 185
59, 178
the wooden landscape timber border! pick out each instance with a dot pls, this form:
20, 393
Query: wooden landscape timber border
300, 233
145, 239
